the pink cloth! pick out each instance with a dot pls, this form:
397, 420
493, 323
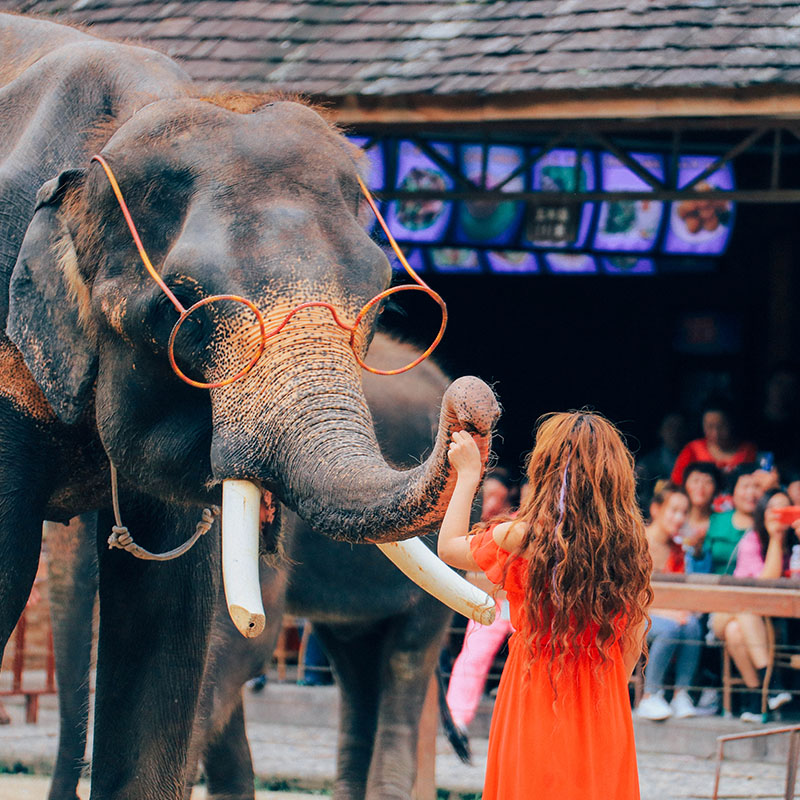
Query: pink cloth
749, 561
471, 668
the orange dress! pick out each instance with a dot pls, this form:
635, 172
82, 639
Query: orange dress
579, 748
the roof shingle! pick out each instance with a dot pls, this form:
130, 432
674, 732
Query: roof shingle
446, 47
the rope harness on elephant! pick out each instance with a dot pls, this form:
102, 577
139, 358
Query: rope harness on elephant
122, 539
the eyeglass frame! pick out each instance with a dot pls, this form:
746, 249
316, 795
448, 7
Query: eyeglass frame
184, 313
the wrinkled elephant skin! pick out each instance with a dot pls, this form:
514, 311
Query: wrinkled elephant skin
382, 633
232, 194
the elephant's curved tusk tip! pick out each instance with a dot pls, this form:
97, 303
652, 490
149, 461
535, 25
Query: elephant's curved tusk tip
250, 624
485, 616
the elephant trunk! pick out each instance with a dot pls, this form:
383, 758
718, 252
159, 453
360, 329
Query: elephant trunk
357, 496
299, 425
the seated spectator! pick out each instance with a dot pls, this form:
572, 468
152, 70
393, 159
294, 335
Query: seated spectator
726, 528
702, 481
672, 633
763, 552
657, 464
720, 443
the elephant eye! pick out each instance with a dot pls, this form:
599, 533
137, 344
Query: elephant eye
163, 316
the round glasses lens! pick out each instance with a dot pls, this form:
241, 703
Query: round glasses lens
415, 315
221, 337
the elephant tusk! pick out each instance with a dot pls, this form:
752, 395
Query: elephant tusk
241, 506
420, 564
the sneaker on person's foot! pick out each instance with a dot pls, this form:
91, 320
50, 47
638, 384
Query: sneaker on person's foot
682, 705
750, 716
779, 700
708, 704
654, 707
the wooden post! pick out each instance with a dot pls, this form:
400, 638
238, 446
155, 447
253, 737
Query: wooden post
19, 654
425, 786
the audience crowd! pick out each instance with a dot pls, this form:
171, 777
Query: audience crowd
710, 504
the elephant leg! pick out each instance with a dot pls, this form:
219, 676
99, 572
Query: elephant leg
219, 738
72, 584
24, 489
410, 655
155, 624
228, 763
356, 656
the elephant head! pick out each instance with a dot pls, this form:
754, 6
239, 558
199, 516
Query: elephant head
260, 203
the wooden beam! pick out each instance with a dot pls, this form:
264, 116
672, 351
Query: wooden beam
764, 102
768, 602
755, 196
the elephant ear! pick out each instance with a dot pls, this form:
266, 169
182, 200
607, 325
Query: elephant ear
45, 296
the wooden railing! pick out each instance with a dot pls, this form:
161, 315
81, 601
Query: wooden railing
779, 597
19, 666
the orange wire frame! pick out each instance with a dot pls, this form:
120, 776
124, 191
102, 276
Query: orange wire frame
418, 285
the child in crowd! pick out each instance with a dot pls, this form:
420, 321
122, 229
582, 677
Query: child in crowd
763, 552
672, 632
576, 569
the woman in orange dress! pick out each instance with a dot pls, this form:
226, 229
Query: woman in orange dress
576, 568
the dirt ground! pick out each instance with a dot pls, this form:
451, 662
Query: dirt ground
34, 787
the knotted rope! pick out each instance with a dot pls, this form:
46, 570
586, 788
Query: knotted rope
121, 538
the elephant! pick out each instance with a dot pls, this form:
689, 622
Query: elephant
382, 632
230, 369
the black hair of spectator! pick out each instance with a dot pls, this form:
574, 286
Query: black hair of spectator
760, 527
723, 404
718, 402
502, 475
739, 471
707, 468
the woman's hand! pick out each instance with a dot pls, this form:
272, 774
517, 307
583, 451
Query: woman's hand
465, 457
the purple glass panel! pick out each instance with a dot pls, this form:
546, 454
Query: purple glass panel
512, 261
697, 225
420, 220
570, 263
555, 172
482, 222
628, 265
454, 259
375, 163
628, 225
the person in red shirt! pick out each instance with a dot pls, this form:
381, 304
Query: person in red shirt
719, 444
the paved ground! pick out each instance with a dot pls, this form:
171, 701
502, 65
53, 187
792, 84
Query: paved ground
302, 755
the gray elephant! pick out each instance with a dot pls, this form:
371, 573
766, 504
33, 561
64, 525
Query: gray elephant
382, 633
231, 196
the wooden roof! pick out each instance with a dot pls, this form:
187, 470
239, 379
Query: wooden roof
475, 58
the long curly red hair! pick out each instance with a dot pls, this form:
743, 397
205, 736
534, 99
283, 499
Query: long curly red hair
588, 580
